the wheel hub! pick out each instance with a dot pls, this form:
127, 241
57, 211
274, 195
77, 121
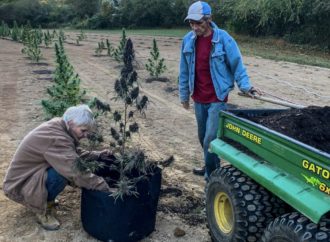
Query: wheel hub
223, 212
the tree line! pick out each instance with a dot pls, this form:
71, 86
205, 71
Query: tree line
300, 21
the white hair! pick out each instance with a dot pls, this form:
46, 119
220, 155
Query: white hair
80, 115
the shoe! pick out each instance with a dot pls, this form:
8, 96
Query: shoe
54, 203
48, 220
51, 207
199, 171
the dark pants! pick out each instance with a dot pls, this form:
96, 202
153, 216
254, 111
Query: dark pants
55, 183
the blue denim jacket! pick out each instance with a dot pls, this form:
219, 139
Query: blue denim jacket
225, 63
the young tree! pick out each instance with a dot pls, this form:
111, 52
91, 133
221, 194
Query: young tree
48, 40
119, 51
31, 46
82, 35
110, 49
15, 33
26, 32
66, 90
4, 29
155, 64
100, 48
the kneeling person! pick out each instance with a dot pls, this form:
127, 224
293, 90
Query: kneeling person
43, 164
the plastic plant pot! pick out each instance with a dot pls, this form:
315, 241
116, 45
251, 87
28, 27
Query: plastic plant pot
129, 219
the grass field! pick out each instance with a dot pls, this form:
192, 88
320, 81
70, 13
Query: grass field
266, 47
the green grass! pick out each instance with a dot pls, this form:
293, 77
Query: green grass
265, 47
177, 32
280, 50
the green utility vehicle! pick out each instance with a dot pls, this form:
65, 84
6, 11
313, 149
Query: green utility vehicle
274, 188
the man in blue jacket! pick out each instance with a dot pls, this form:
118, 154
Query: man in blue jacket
210, 64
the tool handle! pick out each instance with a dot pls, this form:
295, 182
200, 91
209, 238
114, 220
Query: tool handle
271, 100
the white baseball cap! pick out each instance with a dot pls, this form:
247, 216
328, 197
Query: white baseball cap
198, 10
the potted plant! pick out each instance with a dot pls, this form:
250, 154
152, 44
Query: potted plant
129, 213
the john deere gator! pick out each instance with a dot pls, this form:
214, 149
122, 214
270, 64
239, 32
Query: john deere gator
273, 189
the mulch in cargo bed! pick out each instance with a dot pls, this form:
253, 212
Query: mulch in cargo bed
309, 125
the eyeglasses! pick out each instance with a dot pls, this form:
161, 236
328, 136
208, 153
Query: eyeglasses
192, 22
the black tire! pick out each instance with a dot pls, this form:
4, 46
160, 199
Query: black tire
237, 208
294, 227
279, 206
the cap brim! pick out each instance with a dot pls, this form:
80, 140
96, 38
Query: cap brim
195, 17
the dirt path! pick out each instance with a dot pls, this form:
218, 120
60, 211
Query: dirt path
167, 130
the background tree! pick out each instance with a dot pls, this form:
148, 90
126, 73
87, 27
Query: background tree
84, 8
301, 21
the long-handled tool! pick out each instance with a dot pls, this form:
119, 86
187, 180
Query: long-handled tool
271, 100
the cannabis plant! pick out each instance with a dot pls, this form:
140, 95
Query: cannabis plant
128, 92
128, 165
155, 65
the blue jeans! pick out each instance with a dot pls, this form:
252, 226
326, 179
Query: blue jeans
55, 183
207, 116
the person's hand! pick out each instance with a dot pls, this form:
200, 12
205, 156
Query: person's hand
107, 188
104, 154
253, 91
112, 189
185, 105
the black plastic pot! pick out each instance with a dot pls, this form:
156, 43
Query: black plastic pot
130, 219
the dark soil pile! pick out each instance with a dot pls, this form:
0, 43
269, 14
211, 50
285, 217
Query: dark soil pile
309, 125
178, 201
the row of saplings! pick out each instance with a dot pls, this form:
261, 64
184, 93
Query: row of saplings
32, 39
129, 213
155, 64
